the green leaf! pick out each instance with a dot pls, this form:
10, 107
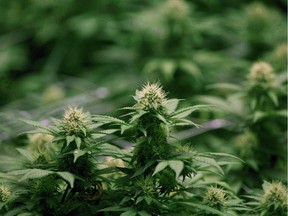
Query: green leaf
171, 105
139, 199
168, 68
26, 154
176, 166
188, 110
203, 207
109, 131
35, 173
148, 199
273, 97
137, 116
130, 212
185, 122
107, 119
226, 155
144, 213
69, 139
162, 165
69, 177
78, 153
124, 128
258, 115
83, 129
160, 117
209, 161
78, 142
112, 208
190, 68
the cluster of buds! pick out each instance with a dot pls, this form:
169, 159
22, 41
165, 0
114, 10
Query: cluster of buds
147, 185
262, 73
215, 198
5, 193
275, 196
151, 97
75, 121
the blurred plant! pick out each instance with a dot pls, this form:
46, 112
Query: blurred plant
259, 109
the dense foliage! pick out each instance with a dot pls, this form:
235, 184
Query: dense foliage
211, 139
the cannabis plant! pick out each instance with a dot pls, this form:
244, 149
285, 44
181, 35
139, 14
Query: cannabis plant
258, 107
165, 177
271, 200
58, 172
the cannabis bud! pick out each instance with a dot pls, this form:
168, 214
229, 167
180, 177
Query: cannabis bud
39, 140
246, 143
75, 121
275, 196
215, 198
5, 193
151, 97
262, 73
176, 9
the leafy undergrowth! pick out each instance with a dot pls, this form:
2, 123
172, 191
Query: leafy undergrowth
74, 167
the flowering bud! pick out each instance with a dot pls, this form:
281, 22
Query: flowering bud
275, 196
246, 143
151, 97
5, 193
261, 73
176, 9
74, 120
215, 198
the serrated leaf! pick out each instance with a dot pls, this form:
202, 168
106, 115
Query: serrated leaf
69, 177
209, 161
171, 105
226, 155
78, 142
39, 125
161, 118
160, 166
188, 110
137, 116
185, 122
108, 119
35, 173
176, 166
69, 139
26, 154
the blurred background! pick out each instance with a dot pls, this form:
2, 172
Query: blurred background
94, 54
